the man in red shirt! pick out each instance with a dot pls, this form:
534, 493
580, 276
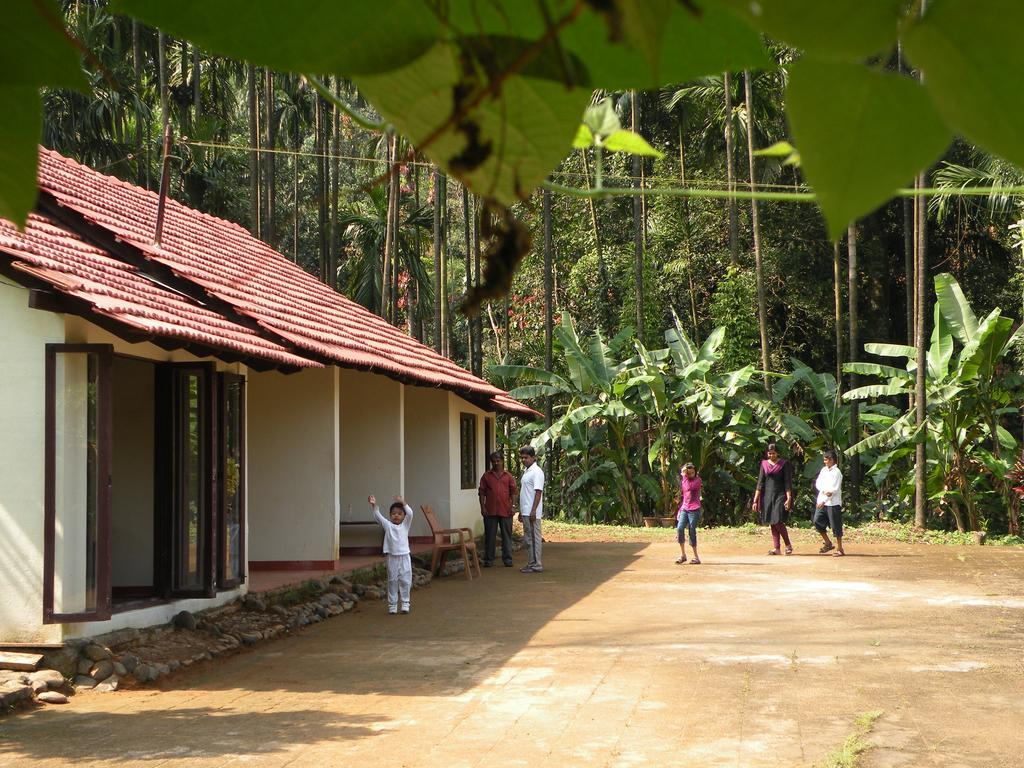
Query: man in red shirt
497, 490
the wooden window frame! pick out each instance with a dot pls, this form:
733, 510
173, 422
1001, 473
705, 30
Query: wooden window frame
104, 429
468, 482
168, 456
224, 380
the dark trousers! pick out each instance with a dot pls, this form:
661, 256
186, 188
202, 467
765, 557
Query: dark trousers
491, 526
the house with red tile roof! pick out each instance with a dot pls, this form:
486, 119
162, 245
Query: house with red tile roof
182, 411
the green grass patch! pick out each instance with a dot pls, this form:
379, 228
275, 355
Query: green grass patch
849, 754
302, 593
369, 575
874, 531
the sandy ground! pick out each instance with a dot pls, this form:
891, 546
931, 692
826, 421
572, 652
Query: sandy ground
615, 656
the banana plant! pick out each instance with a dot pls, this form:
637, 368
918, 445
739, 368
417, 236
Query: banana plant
966, 398
594, 422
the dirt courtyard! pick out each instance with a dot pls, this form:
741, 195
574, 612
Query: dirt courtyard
614, 656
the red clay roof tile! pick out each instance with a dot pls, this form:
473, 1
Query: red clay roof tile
256, 281
118, 291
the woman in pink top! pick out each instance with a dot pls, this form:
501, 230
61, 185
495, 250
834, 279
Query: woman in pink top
689, 512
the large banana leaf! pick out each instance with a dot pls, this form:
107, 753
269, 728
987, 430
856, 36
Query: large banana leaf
535, 390
878, 390
874, 369
531, 374
952, 303
682, 349
900, 431
581, 370
984, 351
892, 350
940, 352
709, 349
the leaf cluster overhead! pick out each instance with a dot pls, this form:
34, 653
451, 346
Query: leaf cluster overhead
494, 92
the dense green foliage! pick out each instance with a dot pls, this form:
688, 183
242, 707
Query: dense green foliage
310, 175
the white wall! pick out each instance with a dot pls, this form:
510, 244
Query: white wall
292, 465
24, 333
465, 503
151, 616
372, 450
427, 478
131, 504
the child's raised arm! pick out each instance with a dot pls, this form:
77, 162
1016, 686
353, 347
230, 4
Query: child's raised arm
376, 511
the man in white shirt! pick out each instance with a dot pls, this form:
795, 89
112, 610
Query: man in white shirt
829, 508
531, 508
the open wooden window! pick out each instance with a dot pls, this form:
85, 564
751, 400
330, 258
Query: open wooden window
467, 450
76, 550
231, 517
185, 540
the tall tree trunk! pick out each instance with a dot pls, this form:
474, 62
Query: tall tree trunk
197, 93
686, 231
920, 392
140, 170
270, 139
838, 289
396, 219
389, 223
332, 254
909, 217
478, 320
730, 174
604, 322
466, 215
920, 383
437, 261
415, 319
854, 354
162, 79
296, 146
445, 222
638, 233
323, 186
254, 156
548, 313
762, 312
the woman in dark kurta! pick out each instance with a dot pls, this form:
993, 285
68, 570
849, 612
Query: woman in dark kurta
773, 498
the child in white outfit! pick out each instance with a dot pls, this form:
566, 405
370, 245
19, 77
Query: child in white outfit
396, 549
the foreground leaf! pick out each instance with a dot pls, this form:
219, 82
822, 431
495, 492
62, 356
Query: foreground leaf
20, 130
502, 148
843, 29
971, 57
861, 134
347, 38
633, 143
622, 46
35, 51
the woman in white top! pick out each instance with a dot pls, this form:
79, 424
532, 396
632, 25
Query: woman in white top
828, 511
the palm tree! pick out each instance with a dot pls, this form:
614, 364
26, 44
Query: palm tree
363, 227
292, 113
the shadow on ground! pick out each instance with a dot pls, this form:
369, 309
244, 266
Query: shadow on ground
458, 632
69, 736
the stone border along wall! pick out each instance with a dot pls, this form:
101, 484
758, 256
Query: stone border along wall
138, 656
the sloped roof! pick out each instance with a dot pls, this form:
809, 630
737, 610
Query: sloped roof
112, 289
291, 307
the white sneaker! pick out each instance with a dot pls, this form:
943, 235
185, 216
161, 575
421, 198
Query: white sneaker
392, 611
405, 609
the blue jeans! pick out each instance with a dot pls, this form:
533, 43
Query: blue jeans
688, 519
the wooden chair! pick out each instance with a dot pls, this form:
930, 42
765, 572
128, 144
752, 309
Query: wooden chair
451, 540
